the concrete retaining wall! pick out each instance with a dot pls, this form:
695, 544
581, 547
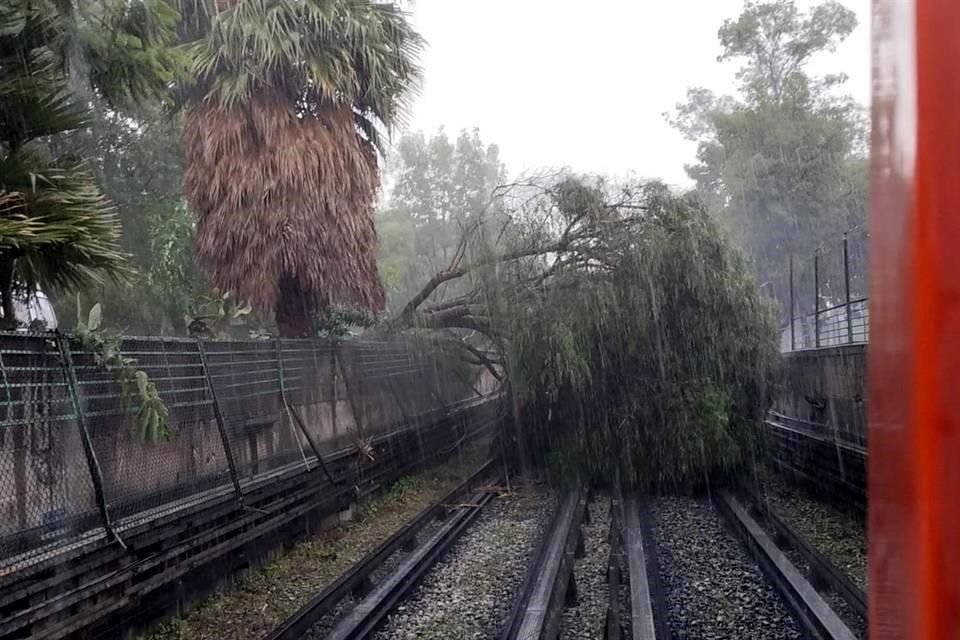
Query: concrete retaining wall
826, 387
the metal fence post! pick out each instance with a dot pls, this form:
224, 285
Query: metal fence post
278, 352
296, 417
816, 298
221, 424
793, 330
96, 474
846, 287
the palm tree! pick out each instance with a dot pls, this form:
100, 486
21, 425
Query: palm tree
282, 142
56, 229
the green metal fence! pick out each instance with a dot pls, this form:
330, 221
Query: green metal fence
74, 467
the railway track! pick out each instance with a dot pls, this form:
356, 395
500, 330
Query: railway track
810, 607
549, 585
817, 567
814, 590
375, 600
791, 588
633, 609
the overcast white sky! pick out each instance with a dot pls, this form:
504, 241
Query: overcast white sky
568, 83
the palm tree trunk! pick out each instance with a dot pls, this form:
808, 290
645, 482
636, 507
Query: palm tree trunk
292, 310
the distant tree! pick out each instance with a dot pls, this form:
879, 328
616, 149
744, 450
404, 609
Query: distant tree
281, 139
57, 231
438, 187
782, 164
136, 159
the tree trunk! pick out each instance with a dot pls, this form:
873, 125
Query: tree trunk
517, 413
292, 310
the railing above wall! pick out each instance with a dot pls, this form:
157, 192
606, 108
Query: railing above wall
830, 327
826, 296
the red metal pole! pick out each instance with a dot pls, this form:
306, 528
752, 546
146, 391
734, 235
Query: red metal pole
914, 402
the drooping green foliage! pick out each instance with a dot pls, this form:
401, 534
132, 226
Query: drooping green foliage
636, 341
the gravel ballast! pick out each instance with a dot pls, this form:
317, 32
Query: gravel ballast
329, 621
713, 590
585, 621
842, 539
468, 594
266, 597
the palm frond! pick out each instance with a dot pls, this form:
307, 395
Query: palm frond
64, 231
32, 107
324, 53
129, 52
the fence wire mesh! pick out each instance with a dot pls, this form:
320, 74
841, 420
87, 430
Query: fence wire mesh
46, 492
238, 410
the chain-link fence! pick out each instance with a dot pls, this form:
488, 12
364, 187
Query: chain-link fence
74, 466
827, 297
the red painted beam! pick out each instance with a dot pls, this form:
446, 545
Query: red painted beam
914, 386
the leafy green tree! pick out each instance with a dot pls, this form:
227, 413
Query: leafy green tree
397, 255
167, 290
57, 231
782, 164
136, 159
439, 187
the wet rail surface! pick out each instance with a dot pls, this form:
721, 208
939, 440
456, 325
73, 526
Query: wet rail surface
357, 580
810, 608
613, 625
635, 608
549, 584
846, 597
745, 564
642, 623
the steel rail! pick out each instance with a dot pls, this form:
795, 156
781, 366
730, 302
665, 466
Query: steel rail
549, 583
357, 578
824, 571
366, 616
612, 628
812, 612
642, 621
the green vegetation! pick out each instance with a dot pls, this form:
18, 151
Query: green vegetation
439, 187
402, 487
782, 165
57, 231
633, 335
625, 324
647, 352
91, 337
118, 83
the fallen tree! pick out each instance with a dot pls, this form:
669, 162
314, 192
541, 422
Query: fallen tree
631, 335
